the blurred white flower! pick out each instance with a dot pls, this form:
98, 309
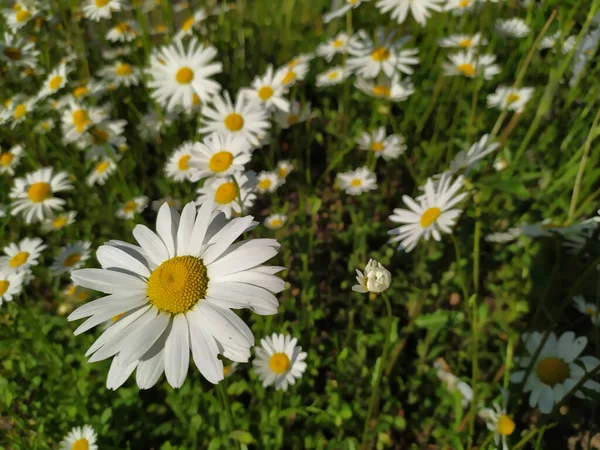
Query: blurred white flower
376, 278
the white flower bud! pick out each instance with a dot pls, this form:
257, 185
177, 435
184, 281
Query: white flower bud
376, 278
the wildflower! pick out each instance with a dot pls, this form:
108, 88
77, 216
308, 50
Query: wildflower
97, 10
512, 28
172, 202
131, 207
332, 76
462, 41
340, 7
103, 140
101, 171
59, 221
279, 361
470, 65
55, 81
267, 182
18, 52
550, 41
125, 31
376, 278
80, 438
19, 110
356, 182
77, 119
71, 257
298, 113
589, 309
283, 169
275, 221
389, 147
120, 74
188, 25
9, 160
337, 45
420, 9
19, 17
507, 98
22, 256
477, 151
219, 156
268, 91
11, 285
231, 194
178, 166
499, 422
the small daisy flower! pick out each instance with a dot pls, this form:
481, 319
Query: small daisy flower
101, 171
44, 126
21, 108
123, 32
33, 195
470, 65
551, 41
298, 113
120, 74
19, 17
589, 309
152, 124
356, 182
17, 51
292, 72
89, 88
512, 28
336, 46
420, 9
279, 361
462, 41
72, 256
59, 221
246, 118
576, 236
459, 7
219, 156
432, 215
230, 370
376, 278
225, 193
275, 221
268, 91
172, 202
267, 182
131, 207
178, 166
341, 7
181, 75
11, 285
391, 89
466, 161
507, 98
77, 119
188, 25
103, 140
9, 160
80, 438
75, 294
389, 147
283, 169
55, 81
98, 10
556, 370
499, 422
332, 76
22, 256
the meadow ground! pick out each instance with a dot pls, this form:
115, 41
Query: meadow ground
445, 149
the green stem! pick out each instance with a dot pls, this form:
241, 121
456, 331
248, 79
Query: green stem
227, 407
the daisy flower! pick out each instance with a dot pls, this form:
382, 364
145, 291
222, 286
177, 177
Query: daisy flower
55, 81
77, 119
369, 60
332, 76
80, 438
267, 182
44, 126
507, 98
576, 236
245, 118
376, 278
556, 370
20, 109
74, 293
431, 215
230, 370
279, 361
16, 51
71, 257
181, 74
59, 221
462, 41
551, 41
172, 202
499, 422
98, 10
275, 221
283, 169
123, 32
33, 195
22, 256
268, 91
11, 285
470, 65
17, 18
224, 194
356, 182
178, 166
512, 28
103, 140
131, 207
420, 9
292, 72
340, 7
9, 160
188, 25
177, 289
465, 161
589, 309
298, 113
101, 171
389, 147
219, 156
336, 46
152, 124
459, 7
120, 74
387, 88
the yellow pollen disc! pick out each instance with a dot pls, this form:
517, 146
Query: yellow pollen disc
17, 7
130, 206
333, 75
82, 296
282, 172
82, 444
28, 71
100, 168
552, 370
234, 122
293, 63
264, 184
292, 119
275, 222
356, 182
22, 15
6, 159
117, 317
123, 70
99, 136
123, 27
101, 3
220, 162
183, 163
289, 77
226, 193
71, 260
80, 119
338, 43
352, 2
377, 146
466, 69
381, 91
279, 363
465, 43
265, 93
187, 25
429, 216
511, 98
195, 99
185, 75
38, 192
12, 53
226, 370
19, 259
3, 287
161, 28
80, 91
20, 111
505, 426
590, 311
45, 125
380, 54
178, 284
464, 3
55, 82
59, 222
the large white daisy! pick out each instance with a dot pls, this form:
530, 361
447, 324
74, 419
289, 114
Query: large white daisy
80, 438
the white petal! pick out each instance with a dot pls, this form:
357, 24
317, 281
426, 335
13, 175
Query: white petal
153, 246
107, 281
204, 352
116, 259
165, 229
177, 351
140, 342
186, 227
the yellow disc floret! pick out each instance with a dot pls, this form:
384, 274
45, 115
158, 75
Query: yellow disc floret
552, 370
38, 192
429, 216
226, 193
18, 260
185, 75
279, 363
505, 426
234, 122
220, 162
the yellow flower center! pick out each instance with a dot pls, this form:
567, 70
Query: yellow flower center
55, 82
101, 168
185, 75
282, 172
289, 77
123, 27
380, 54
20, 111
505, 426
18, 260
234, 122
429, 216
101, 3
264, 184
59, 222
381, 91
17, 7
178, 284
333, 75
80, 119
187, 25
99, 136
466, 69
279, 363
130, 206
552, 370
80, 91
338, 43
161, 28
292, 119
71, 260
511, 98
183, 163
464, 3
276, 222
226, 193
123, 69
38, 192
465, 43
3, 287
356, 182
220, 162
12, 53
82, 296
226, 370
590, 311
6, 159
117, 317
293, 63
265, 93
82, 444
377, 146
45, 125
22, 15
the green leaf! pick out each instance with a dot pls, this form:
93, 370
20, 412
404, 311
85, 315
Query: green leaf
241, 436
